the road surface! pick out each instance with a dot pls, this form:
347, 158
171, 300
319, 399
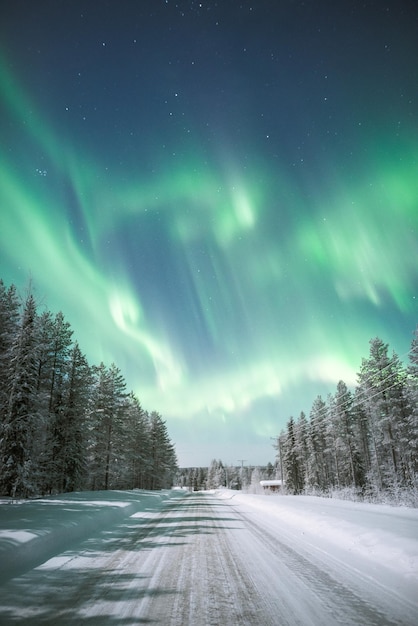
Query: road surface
202, 560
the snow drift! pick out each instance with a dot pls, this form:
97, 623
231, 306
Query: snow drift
32, 531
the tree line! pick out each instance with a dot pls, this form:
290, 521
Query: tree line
219, 474
364, 441
66, 425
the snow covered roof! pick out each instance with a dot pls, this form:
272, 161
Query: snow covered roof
271, 483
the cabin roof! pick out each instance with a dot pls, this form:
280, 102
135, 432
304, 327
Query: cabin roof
271, 483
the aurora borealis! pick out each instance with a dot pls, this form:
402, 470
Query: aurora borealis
221, 197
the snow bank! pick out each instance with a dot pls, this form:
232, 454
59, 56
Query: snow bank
383, 536
32, 531
377, 537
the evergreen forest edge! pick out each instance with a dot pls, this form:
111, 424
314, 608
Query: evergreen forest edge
69, 426
356, 445
66, 425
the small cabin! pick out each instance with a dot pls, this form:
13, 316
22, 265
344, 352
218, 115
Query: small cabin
271, 486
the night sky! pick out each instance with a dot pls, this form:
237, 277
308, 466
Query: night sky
221, 197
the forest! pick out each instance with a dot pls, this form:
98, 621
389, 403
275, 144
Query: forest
363, 441
66, 425
360, 444
218, 474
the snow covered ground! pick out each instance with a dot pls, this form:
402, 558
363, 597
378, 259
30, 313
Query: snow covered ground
32, 531
221, 557
382, 537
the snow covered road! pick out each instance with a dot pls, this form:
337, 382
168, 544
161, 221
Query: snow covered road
226, 559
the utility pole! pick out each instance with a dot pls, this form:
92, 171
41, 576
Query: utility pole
278, 447
242, 461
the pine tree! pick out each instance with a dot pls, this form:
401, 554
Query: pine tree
350, 470
106, 431
21, 417
317, 467
211, 474
61, 340
136, 446
71, 436
163, 460
270, 471
216, 474
53, 364
44, 374
9, 325
194, 479
302, 449
255, 480
201, 478
279, 447
410, 432
292, 469
382, 383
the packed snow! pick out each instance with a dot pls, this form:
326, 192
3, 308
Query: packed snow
32, 531
384, 535
370, 547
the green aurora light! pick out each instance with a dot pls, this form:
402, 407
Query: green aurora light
221, 287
